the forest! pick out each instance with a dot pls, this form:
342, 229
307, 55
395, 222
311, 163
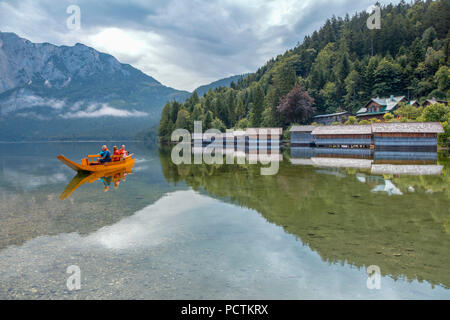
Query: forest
339, 67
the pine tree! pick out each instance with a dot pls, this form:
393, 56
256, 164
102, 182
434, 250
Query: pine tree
183, 120
258, 106
240, 109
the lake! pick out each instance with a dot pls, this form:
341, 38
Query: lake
223, 231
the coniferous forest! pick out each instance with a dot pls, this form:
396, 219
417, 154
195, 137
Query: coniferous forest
339, 67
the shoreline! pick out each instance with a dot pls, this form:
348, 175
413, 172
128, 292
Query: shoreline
67, 141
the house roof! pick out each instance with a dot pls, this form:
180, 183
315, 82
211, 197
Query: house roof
348, 129
434, 101
302, 128
392, 102
331, 114
362, 110
407, 127
370, 113
389, 103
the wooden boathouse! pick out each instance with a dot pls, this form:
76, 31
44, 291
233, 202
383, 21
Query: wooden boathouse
250, 139
301, 136
386, 136
349, 136
260, 138
406, 135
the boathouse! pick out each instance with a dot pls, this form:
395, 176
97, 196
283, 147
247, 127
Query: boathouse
301, 136
328, 119
250, 139
350, 136
263, 138
406, 135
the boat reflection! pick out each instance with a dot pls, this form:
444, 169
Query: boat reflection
108, 179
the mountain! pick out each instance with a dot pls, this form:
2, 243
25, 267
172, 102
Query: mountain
225, 82
341, 66
71, 92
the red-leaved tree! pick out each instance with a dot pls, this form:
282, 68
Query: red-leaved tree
297, 106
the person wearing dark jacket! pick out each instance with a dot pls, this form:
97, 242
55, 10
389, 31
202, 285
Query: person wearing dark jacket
105, 155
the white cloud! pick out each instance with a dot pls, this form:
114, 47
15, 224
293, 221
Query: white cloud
24, 100
28, 181
33, 101
144, 227
183, 44
102, 110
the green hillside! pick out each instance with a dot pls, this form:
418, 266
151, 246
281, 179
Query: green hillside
339, 67
225, 82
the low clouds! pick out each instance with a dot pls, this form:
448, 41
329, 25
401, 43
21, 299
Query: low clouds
102, 110
183, 44
27, 105
27, 181
22, 101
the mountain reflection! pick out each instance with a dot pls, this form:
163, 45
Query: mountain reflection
357, 209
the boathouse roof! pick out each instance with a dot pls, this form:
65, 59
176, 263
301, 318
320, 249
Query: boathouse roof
342, 162
302, 128
407, 127
347, 129
407, 169
258, 131
331, 114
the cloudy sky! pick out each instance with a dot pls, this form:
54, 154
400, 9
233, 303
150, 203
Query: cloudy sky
181, 43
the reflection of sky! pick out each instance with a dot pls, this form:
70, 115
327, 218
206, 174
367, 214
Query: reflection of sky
387, 187
188, 245
28, 181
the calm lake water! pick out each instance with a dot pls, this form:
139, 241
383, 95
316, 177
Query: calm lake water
221, 232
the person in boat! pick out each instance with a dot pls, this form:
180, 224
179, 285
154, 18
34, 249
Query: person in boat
105, 155
116, 152
123, 152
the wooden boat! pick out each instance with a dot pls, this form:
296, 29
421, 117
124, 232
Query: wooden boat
87, 165
83, 177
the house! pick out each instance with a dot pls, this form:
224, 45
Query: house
378, 107
399, 136
328, 119
301, 136
343, 136
414, 103
432, 101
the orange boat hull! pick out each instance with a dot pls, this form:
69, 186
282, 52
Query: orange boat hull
109, 166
